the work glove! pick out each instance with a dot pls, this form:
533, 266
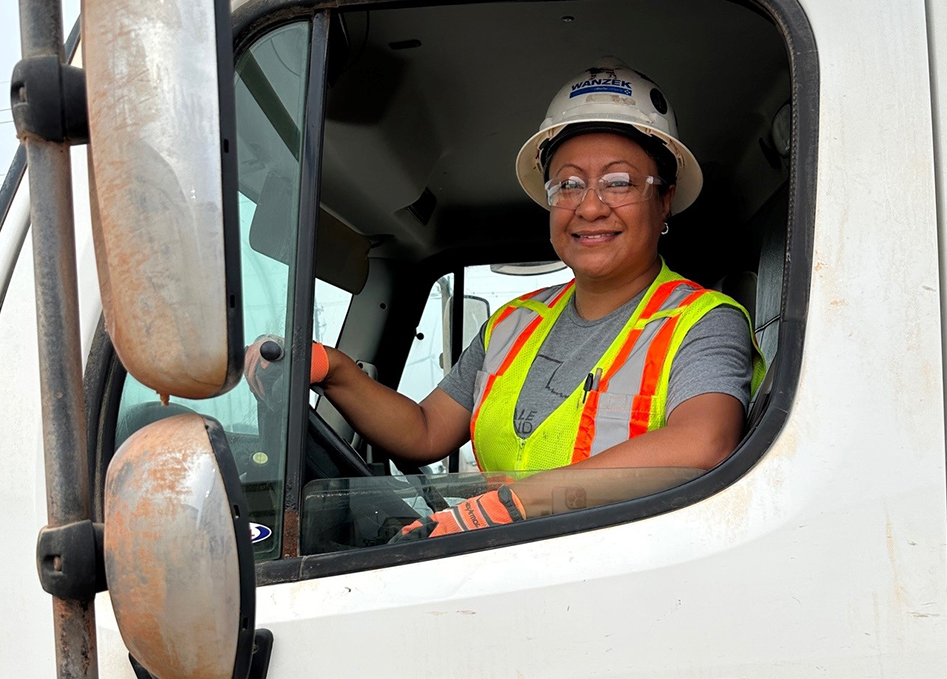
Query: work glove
263, 365
494, 508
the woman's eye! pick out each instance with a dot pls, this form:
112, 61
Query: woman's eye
618, 181
571, 185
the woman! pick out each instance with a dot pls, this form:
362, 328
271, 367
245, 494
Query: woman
628, 366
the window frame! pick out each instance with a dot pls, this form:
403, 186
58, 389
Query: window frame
791, 21
256, 17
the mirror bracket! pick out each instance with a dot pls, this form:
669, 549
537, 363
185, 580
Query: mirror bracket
70, 560
48, 101
259, 661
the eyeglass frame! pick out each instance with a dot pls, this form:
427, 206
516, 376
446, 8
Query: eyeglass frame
651, 180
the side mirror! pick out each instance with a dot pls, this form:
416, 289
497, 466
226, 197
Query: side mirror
476, 313
163, 179
178, 557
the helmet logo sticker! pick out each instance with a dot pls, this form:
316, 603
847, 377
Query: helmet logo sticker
614, 85
259, 533
660, 103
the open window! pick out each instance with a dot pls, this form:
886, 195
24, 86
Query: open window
421, 164
423, 110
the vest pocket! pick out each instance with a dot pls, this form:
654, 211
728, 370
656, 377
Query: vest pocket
615, 405
611, 420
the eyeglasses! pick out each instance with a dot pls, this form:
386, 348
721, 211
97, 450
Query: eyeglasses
615, 189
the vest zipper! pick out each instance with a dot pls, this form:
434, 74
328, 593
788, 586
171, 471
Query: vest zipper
519, 452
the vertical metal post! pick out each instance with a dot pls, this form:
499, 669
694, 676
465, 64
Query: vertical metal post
68, 497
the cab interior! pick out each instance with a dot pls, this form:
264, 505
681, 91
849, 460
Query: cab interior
427, 107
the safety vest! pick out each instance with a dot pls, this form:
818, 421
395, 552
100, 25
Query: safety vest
629, 383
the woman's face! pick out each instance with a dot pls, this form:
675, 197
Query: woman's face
600, 243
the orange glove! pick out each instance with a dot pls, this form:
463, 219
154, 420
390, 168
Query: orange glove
495, 508
263, 375
319, 366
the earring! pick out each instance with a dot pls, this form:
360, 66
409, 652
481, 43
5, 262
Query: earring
666, 229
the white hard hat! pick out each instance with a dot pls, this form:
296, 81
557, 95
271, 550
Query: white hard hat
613, 94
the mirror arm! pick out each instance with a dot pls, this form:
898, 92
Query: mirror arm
48, 101
70, 560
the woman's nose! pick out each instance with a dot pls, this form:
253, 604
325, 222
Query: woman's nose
592, 206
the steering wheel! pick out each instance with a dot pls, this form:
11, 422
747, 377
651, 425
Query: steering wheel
330, 456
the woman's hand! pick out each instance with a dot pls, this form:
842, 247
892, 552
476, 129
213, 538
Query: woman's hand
264, 375
495, 508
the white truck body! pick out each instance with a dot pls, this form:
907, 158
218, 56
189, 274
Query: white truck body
829, 558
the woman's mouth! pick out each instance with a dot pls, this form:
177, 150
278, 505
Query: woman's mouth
592, 238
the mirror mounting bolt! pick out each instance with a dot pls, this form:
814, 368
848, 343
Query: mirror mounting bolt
70, 560
48, 101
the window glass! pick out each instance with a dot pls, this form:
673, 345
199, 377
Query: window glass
332, 304
429, 357
270, 97
430, 354
349, 513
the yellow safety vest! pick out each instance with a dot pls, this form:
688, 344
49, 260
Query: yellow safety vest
629, 397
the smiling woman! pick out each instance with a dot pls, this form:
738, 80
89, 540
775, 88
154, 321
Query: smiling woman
629, 365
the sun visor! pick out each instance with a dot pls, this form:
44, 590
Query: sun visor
341, 253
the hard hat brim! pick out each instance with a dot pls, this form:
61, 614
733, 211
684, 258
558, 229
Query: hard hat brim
690, 179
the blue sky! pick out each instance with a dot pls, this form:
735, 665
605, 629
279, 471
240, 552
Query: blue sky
9, 55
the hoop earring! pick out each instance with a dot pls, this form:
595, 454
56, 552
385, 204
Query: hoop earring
666, 229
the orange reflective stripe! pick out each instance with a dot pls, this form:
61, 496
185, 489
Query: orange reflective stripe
654, 363
640, 415
504, 315
656, 302
510, 357
586, 434
518, 345
473, 420
567, 288
657, 352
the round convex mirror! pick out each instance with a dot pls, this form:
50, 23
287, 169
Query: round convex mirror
178, 559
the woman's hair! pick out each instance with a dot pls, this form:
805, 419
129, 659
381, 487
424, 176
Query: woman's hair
653, 146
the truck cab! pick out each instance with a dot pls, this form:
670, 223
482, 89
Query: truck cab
379, 213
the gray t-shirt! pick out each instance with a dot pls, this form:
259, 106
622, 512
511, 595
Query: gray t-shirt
715, 357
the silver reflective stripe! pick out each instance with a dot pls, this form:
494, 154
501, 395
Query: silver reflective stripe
611, 420
505, 334
480, 384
